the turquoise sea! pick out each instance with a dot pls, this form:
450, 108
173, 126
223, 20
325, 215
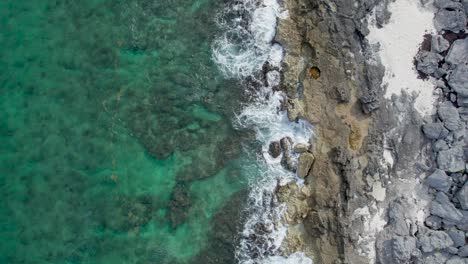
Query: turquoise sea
117, 142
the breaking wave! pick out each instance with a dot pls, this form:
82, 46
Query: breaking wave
241, 51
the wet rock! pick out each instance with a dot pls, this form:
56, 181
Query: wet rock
451, 160
462, 196
433, 222
274, 149
300, 148
451, 20
458, 237
458, 53
287, 162
439, 44
428, 62
458, 80
449, 115
305, 162
295, 109
286, 144
435, 130
434, 240
439, 181
443, 208
463, 251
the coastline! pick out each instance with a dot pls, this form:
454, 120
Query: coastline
366, 197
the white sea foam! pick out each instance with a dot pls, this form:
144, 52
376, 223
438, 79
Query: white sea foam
249, 28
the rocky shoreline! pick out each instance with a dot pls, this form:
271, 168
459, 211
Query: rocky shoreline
382, 184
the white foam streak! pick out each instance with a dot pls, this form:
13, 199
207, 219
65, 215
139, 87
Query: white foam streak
240, 52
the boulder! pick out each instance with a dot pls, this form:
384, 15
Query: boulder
439, 181
440, 145
457, 260
433, 222
439, 44
458, 80
458, 53
451, 20
435, 130
300, 148
286, 144
463, 251
428, 62
305, 163
448, 4
452, 250
451, 160
457, 236
434, 240
443, 208
274, 149
462, 196
449, 115
402, 248
463, 224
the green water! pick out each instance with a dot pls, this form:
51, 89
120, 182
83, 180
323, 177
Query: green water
116, 137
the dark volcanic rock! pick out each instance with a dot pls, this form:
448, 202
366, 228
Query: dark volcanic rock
458, 53
274, 149
451, 160
434, 240
428, 62
458, 80
435, 130
439, 181
439, 44
443, 208
449, 114
452, 20
462, 196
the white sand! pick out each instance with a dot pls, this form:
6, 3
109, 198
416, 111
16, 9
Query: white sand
399, 42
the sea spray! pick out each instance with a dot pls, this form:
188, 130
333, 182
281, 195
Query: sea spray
246, 45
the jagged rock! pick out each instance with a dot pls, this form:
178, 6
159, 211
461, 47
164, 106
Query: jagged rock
452, 250
457, 260
443, 208
462, 196
462, 101
396, 219
439, 180
439, 44
434, 222
434, 240
452, 20
458, 53
433, 258
435, 130
458, 237
440, 145
342, 94
403, 248
448, 4
274, 149
428, 62
287, 162
449, 115
295, 109
463, 224
458, 80
451, 160
305, 162
463, 251
300, 148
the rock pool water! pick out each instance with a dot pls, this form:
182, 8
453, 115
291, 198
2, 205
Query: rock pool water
116, 135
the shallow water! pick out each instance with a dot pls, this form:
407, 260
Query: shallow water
116, 134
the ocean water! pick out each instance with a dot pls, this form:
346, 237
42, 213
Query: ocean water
137, 132
117, 137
